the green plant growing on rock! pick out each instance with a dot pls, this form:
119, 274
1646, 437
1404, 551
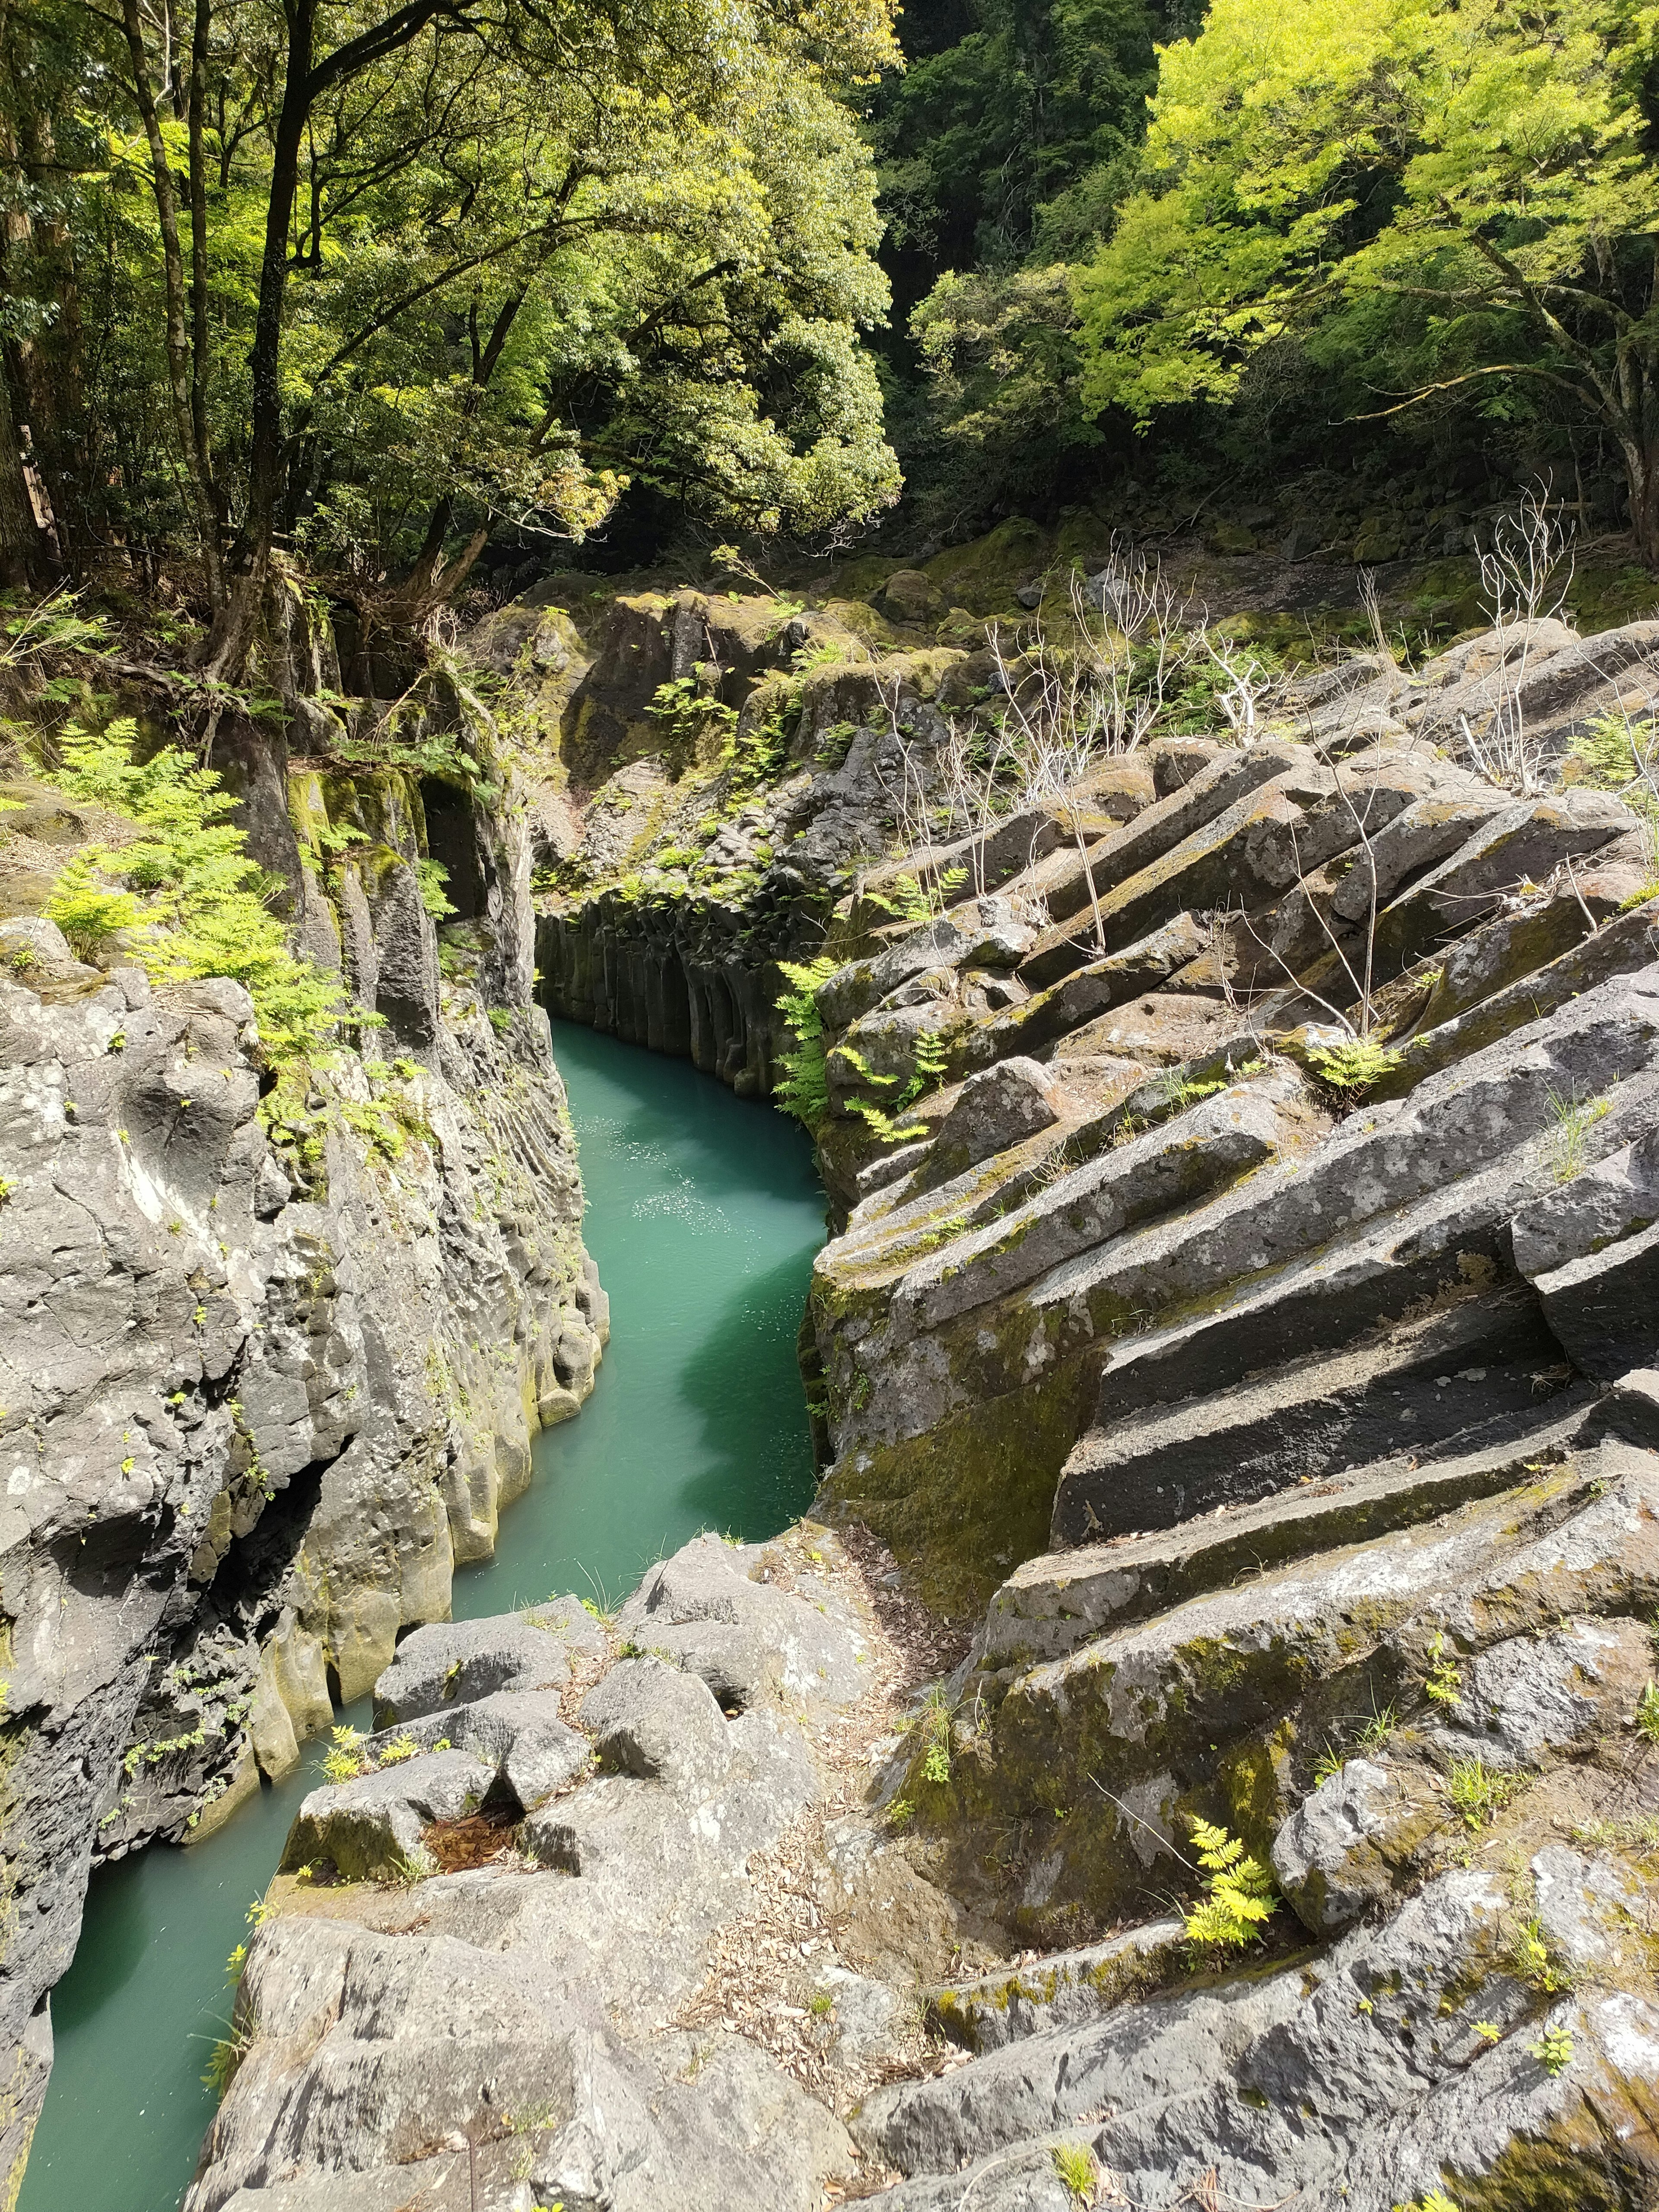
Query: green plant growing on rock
1647, 1713
432, 878
1478, 1793
1435, 2201
1444, 1684
225, 2059
1574, 1119
88, 912
204, 910
936, 1725
347, 1760
1078, 2170
1240, 1896
1354, 1064
1534, 1963
1376, 1732
1553, 2049
805, 1090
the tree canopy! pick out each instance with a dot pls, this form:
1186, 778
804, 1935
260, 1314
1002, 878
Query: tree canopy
1434, 198
368, 281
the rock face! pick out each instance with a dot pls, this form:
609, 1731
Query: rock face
1246, 1315
1146, 1260
271, 1369
535, 2006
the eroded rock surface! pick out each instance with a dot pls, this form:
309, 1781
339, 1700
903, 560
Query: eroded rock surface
272, 1363
569, 2006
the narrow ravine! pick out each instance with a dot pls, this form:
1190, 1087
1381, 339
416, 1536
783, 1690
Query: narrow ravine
704, 1214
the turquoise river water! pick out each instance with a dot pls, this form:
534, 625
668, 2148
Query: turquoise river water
704, 1215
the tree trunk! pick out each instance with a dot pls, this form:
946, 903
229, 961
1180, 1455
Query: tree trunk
179, 352
1642, 475
199, 254
22, 546
234, 631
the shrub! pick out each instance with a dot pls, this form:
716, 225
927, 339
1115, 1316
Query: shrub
207, 912
1647, 1712
1241, 1893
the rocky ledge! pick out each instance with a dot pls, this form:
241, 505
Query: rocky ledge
273, 1356
706, 1905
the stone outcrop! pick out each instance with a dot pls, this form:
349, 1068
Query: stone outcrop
1244, 1322
274, 1353
548, 2008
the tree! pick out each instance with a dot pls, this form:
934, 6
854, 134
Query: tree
367, 281
1439, 198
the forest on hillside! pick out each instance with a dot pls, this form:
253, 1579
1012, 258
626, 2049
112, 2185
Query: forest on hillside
405, 297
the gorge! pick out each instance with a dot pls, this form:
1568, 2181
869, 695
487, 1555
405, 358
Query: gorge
1228, 1377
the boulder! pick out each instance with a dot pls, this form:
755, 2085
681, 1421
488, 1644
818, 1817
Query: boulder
649, 1719
371, 1828
453, 1663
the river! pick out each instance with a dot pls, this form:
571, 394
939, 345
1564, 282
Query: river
704, 1215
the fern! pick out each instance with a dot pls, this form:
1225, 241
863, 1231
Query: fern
203, 910
1241, 1893
805, 1090
1356, 1063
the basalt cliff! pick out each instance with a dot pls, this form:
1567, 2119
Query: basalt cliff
1203, 1748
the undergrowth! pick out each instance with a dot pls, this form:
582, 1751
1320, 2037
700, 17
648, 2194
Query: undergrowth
185, 892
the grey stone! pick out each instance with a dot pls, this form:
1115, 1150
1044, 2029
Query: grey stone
1062, 1991
371, 1827
452, 1664
1000, 1107
521, 1733
1351, 1842
1604, 1308
709, 1582
1421, 1386
1355, 2079
651, 1720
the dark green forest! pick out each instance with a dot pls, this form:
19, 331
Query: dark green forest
411, 298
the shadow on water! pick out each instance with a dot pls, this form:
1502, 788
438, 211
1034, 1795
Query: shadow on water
704, 1216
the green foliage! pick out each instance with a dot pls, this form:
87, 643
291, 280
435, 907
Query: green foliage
433, 879
936, 1731
1647, 1712
1444, 1684
1240, 1896
1435, 2201
669, 212
1534, 1963
1078, 2170
203, 903
224, 2060
1459, 198
1477, 1792
1355, 1063
805, 1089
1553, 2049
88, 912
1574, 1118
